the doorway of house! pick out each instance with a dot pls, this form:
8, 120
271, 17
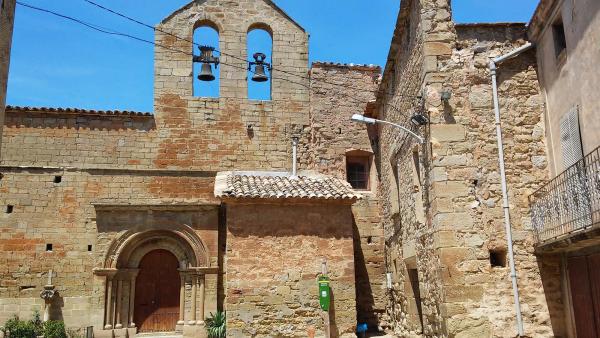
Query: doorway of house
584, 279
157, 292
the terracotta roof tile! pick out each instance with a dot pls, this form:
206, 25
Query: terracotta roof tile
75, 111
370, 67
277, 185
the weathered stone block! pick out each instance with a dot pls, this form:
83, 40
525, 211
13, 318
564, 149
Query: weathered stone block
466, 327
448, 132
463, 293
457, 221
444, 239
437, 48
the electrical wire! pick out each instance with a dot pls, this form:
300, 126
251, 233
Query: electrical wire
117, 33
124, 16
112, 32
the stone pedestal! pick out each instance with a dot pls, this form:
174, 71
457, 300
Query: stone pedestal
131, 332
120, 333
101, 333
195, 331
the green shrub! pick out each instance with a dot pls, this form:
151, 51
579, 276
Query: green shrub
54, 329
37, 323
215, 325
16, 328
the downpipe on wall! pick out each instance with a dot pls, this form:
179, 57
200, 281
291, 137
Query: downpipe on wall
505, 205
295, 141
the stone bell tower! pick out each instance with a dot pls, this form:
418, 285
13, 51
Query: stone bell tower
216, 133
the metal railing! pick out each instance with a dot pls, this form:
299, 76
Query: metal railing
570, 203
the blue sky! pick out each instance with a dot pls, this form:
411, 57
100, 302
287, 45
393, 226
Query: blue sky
58, 63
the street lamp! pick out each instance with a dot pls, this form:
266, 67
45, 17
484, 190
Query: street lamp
370, 120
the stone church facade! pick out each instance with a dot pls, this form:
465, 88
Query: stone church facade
149, 222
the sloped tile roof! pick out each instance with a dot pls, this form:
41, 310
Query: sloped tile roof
358, 66
75, 111
277, 185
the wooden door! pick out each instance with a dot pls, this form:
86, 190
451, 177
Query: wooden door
584, 279
594, 273
157, 292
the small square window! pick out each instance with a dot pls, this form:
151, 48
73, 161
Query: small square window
9, 209
48, 246
498, 258
89, 247
357, 172
57, 179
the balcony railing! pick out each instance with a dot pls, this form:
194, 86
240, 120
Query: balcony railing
570, 203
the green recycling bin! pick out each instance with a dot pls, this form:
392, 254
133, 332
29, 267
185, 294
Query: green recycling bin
324, 293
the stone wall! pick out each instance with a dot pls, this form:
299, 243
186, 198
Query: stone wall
467, 186
337, 92
443, 212
273, 260
64, 215
413, 306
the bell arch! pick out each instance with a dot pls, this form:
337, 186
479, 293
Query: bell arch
259, 44
206, 76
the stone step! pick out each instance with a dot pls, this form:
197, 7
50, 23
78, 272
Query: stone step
158, 335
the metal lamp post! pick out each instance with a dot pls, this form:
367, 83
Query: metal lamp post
370, 120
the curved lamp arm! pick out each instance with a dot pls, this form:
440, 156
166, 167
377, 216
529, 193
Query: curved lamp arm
369, 120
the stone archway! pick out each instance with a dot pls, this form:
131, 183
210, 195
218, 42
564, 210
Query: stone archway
125, 257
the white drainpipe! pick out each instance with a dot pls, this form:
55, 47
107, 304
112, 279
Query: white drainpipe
505, 205
294, 156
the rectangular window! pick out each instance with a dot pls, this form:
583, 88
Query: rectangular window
357, 171
560, 39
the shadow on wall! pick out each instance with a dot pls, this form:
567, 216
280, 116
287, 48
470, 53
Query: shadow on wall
56, 307
365, 302
335, 332
550, 274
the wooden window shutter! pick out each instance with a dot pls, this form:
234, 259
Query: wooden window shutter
570, 138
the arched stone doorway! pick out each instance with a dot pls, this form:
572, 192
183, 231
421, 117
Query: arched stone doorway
130, 268
157, 297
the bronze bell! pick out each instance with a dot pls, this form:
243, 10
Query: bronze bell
206, 73
259, 74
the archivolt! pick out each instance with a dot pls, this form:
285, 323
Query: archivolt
128, 249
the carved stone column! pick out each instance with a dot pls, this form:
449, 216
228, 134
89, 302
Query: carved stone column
118, 305
181, 299
202, 290
193, 299
108, 307
132, 277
